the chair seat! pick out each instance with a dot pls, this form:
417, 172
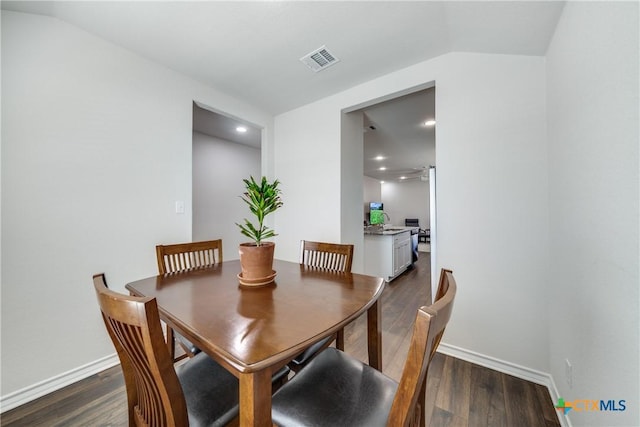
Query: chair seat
213, 402
311, 351
280, 376
352, 388
210, 390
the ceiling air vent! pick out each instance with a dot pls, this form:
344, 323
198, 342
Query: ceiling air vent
319, 59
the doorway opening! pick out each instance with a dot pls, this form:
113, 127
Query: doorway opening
399, 158
225, 150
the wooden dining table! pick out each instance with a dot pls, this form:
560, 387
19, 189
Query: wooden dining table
253, 332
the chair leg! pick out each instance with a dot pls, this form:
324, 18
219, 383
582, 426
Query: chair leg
422, 402
188, 353
340, 340
418, 416
171, 346
171, 342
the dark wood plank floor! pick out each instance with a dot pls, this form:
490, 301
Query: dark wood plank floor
459, 393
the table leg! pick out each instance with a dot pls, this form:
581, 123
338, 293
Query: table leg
374, 336
255, 398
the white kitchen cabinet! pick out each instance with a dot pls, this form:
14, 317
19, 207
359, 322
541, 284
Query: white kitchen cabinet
388, 254
401, 252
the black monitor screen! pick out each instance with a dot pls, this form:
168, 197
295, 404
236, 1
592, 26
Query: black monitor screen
375, 206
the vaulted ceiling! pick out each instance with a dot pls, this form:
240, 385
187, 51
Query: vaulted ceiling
252, 50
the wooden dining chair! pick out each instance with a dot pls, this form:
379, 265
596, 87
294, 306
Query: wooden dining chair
199, 392
330, 256
184, 256
336, 389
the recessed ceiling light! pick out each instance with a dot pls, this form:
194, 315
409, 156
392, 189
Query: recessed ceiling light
383, 168
381, 182
241, 129
378, 158
403, 177
430, 122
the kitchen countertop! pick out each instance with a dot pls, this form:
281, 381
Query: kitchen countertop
388, 230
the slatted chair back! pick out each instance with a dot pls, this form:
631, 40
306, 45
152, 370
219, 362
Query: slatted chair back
184, 256
332, 256
443, 287
180, 257
407, 408
154, 394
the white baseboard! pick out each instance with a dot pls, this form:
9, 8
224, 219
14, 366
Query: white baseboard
32, 392
509, 368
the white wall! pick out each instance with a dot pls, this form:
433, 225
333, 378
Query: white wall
307, 162
96, 149
404, 200
372, 192
592, 91
492, 190
219, 166
352, 185
401, 200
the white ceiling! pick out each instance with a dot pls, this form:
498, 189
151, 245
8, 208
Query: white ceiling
400, 136
220, 126
251, 51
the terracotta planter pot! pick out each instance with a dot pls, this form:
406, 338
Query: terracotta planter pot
256, 261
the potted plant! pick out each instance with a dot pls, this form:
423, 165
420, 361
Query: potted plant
256, 257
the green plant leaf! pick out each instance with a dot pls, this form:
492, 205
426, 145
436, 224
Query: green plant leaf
263, 199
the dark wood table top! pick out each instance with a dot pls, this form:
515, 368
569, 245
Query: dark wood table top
249, 330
